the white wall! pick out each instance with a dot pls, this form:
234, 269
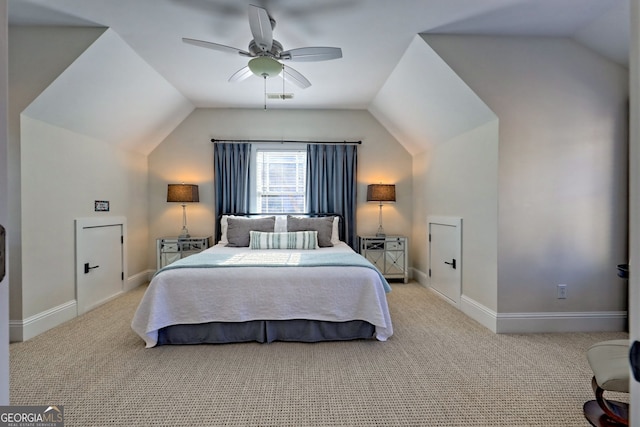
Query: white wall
634, 195
453, 137
63, 173
187, 156
56, 175
459, 177
36, 57
4, 211
562, 215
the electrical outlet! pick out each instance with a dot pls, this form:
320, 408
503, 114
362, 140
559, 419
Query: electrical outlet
562, 291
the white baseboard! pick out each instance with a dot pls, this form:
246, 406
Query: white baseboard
138, 279
22, 330
523, 323
592, 321
544, 322
478, 312
420, 277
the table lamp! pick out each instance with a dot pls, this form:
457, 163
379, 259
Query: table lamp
183, 193
381, 193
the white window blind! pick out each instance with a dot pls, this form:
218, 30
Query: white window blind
280, 181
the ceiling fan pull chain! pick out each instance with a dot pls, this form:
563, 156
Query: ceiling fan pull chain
265, 92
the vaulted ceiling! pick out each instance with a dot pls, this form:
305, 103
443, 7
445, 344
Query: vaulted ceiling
375, 37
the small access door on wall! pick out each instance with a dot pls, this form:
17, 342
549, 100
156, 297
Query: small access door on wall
445, 257
100, 260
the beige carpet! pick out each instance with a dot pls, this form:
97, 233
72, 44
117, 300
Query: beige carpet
439, 369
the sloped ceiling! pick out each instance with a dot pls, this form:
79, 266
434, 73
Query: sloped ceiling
139, 80
604, 26
424, 102
607, 36
109, 93
373, 34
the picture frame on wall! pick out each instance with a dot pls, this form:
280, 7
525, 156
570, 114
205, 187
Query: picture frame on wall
102, 206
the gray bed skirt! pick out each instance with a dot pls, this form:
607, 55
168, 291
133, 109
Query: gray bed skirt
266, 331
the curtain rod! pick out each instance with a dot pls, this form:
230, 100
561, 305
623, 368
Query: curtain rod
282, 141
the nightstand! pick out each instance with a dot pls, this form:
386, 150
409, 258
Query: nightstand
389, 254
171, 249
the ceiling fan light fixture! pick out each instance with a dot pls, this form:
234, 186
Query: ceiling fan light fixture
264, 66
267, 52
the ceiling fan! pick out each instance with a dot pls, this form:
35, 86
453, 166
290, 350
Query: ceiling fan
266, 53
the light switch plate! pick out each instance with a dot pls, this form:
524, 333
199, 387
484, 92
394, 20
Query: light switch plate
3, 251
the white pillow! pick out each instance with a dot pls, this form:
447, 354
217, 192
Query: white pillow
281, 224
286, 240
224, 225
223, 229
335, 233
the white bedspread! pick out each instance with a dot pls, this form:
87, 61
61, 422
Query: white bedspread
239, 294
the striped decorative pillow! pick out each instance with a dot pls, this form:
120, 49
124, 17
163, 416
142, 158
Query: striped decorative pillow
288, 240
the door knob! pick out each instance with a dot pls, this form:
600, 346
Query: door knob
87, 268
452, 263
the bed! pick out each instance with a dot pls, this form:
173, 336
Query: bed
264, 292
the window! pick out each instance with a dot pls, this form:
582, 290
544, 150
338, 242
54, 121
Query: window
279, 182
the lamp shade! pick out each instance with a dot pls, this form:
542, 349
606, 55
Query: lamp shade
182, 193
381, 193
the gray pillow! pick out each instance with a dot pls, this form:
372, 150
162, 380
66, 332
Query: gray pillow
323, 225
238, 229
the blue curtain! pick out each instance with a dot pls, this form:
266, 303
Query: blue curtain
231, 174
331, 183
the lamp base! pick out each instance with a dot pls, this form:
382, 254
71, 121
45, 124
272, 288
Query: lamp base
380, 232
184, 234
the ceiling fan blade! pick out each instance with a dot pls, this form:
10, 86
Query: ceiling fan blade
215, 46
261, 29
312, 54
240, 75
293, 76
